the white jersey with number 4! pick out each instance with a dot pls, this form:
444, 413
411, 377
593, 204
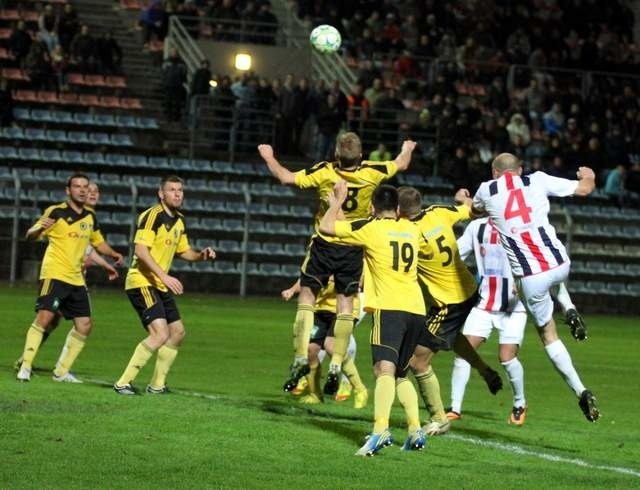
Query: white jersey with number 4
497, 288
519, 208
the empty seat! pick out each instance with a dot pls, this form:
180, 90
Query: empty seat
51, 155
269, 269
137, 161
94, 158
118, 239
56, 135
78, 137
105, 120
99, 138
233, 225
121, 140
211, 223
126, 121
72, 156
229, 246
147, 123
294, 249
290, 270
271, 248
115, 159
159, 162
225, 267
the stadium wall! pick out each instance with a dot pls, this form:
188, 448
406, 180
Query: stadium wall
267, 61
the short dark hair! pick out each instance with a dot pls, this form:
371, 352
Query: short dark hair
385, 198
171, 178
410, 201
77, 175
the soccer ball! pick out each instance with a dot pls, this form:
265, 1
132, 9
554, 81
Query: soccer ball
326, 39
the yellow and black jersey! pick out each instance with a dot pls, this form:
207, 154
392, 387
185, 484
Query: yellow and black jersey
165, 235
69, 238
326, 300
361, 182
391, 256
441, 271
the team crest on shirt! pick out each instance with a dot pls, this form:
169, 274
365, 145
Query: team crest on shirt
176, 233
83, 226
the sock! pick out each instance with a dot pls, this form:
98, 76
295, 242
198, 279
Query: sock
349, 368
302, 330
70, 351
561, 360
564, 299
314, 379
515, 372
342, 333
65, 348
352, 348
459, 380
384, 395
409, 400
140, 356
322, 355
430, 391
166, 355
32, 344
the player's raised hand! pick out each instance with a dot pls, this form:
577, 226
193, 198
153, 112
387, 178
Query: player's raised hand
339, 194
47, 223
463, 196
174, 285
408, 145
208, 253
266, 151
287, 294
585, 173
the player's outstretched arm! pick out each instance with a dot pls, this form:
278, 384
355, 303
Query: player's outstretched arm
105, 249
404, 157
586, 181
284, 175
287, 294
192, 255
336, 200
96, 258
463, 196
36, 230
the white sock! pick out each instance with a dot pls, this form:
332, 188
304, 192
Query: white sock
564, 299
561, 360
63, 352
352, 348
321, 355
515, 372
459, 378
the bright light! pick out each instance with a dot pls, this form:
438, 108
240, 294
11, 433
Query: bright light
213, 83
243, 62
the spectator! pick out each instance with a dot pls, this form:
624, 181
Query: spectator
375, 92
368, 73
380, 154
224, 102
268, 24
68, 26
151, 19
20, 42
358, 109
553, 120
329, 122
174, 77
6, 103
200, 82
109, 54
83, 50
518, 46
60, 66
301, 112
47, 28
224, 21
517, 127
189, 16
535, 97
614, 186
615, 146
37, 65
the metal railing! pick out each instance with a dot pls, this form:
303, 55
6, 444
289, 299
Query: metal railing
180, 40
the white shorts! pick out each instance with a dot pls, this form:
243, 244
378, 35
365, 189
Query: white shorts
535, 292
510, 326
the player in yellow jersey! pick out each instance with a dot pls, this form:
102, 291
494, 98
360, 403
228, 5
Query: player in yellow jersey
322, 339
394, 298
451, 292
161, 235
326, 258
70, 227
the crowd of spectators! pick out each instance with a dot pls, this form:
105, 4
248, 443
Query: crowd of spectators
227, 20
59, 45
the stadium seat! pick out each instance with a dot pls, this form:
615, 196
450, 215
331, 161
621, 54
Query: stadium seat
49, 155
35, 134
116, 159
224, 168
30, 154
78, 137
269, 269
104, 217
99, 139
300, 211
254, 248
13, 133
259, 208
8, 152
115, 82
232, 225
62, 117
272, 248
147, 123
181, 164
126, 122
253, 269
211, 223
72, 156
229, 246
299, 229
83, 118
294, 249
278, 209
290, 270
94, 158
159, 162
105, 120
225, 267
137, 161
56, 135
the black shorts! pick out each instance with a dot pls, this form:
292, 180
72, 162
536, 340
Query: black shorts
66, 299
325, 259
394, 336
444, 323
323, 323
151, 303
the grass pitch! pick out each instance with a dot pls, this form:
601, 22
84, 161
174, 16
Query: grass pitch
228, 425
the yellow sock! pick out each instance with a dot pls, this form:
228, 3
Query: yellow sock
314, 378
351, 371
409, 399
32, 344
71, 350
302, 330
385, 393
166, 355
139, 358
342, 333
430, 391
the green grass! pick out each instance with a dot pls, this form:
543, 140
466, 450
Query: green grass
228, 425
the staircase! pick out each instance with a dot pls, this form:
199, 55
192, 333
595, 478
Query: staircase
142, 69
